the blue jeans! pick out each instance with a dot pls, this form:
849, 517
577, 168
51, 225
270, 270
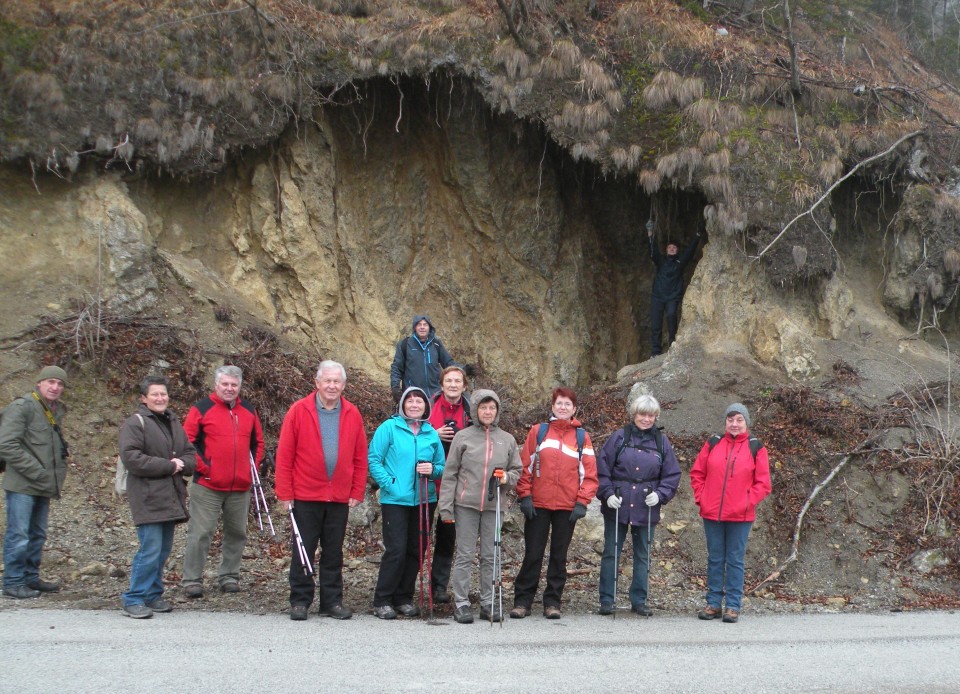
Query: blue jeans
23, 541
146, 571
726, 547
610, 562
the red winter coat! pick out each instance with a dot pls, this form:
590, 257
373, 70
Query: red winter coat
564, 480
301, 470
727, 482
225, 438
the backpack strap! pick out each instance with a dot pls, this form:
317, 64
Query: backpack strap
755, 444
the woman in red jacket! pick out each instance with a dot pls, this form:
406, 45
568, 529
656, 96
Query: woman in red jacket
729, 478
558, 481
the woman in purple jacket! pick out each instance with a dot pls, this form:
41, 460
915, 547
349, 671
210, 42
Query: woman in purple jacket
638, 473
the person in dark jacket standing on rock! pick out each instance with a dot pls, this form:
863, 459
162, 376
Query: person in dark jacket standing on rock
667, 287
418, 360
227, 433
321, 474
730, 476
32, 445
558, 482
157, 454
638, 473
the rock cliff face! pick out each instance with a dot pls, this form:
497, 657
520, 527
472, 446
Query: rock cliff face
416, 199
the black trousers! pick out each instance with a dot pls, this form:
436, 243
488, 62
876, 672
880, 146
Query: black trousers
323, 523
659, 307
402, 543
557, 525
444, 548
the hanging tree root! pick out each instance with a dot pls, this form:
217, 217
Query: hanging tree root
795, 546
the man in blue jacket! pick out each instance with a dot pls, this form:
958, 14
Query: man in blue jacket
419, 360
667, 287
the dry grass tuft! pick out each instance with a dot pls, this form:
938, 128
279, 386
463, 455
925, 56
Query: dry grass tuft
729, 117
668, 165
718, 187
830, 170
147, 130
38, 90
594, 81
551, 68
690, 159
934, 286
662, 89
799, 256
415, 57
951, 262
803, 192
742, 147
650, 181
569, 55
727, 219
279, 87
709, 140
585, 150
514, 61
779, 118
704, 112
690, 89
718, 162
614, 100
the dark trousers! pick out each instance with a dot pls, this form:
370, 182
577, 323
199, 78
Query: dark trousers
557, 525
403, 545
443, 551
659, 307
323, 523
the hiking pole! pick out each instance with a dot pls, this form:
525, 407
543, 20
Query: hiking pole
260, 498
426, 569
616, 551
497, 587
305, 560
649, 537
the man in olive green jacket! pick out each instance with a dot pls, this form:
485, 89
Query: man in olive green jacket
32, 446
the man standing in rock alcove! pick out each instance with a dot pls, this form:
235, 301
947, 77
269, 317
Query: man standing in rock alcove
667, 287
419, 359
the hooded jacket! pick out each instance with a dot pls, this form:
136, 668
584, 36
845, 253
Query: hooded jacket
301, 472
475, 453
395, 451
554, 473
668, 283
636, 470
417, 363
225, 437
156, 495
727, 482
32, 448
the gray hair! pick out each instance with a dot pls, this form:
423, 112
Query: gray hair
228, 370
329, 364
643, 404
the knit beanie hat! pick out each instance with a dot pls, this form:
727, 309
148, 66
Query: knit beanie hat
52, 372
738, 408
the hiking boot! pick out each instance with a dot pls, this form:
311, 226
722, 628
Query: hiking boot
298, 613
140, 611
642, 610
384, 612
160, 605
463, 615
551, 612
519, 612
441, 596
730, 616
230, 587
337, 611
20, 592
709, 612
606, 609
485, 615
408, 610
44, 586
193, 590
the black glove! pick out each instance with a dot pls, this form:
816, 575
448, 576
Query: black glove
470, 370
578, 512
526, 507
396, 393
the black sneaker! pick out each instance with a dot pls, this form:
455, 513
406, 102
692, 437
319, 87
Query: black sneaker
606, 609
44, 586
441, 596
193, 590
463, 615
336, 611
160, 605
21, 592
230, 587
140, 611
642, 610
408, 610
298, 613
485, 615
384, 612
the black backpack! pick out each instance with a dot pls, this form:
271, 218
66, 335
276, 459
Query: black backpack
755, 444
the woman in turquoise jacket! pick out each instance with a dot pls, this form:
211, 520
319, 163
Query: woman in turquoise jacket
405, 454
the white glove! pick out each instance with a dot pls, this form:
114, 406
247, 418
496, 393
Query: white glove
614, 501
652, 499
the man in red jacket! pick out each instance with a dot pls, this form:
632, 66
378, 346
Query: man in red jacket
321, 474
226, 432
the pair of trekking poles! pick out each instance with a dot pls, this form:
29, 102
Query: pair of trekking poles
261, 508
616, 543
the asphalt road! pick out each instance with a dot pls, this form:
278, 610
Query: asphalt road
102, 651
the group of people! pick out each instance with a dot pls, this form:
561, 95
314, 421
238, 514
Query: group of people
440, 454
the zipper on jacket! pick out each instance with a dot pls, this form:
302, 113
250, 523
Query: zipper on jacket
727, 473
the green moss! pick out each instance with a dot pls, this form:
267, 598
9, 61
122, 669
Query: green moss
17, 45
838, 113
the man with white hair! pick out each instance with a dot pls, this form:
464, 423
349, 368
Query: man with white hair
226, 432
321, 474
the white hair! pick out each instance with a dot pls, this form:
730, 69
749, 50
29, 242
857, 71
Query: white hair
328, 365
643, 404
228, 370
